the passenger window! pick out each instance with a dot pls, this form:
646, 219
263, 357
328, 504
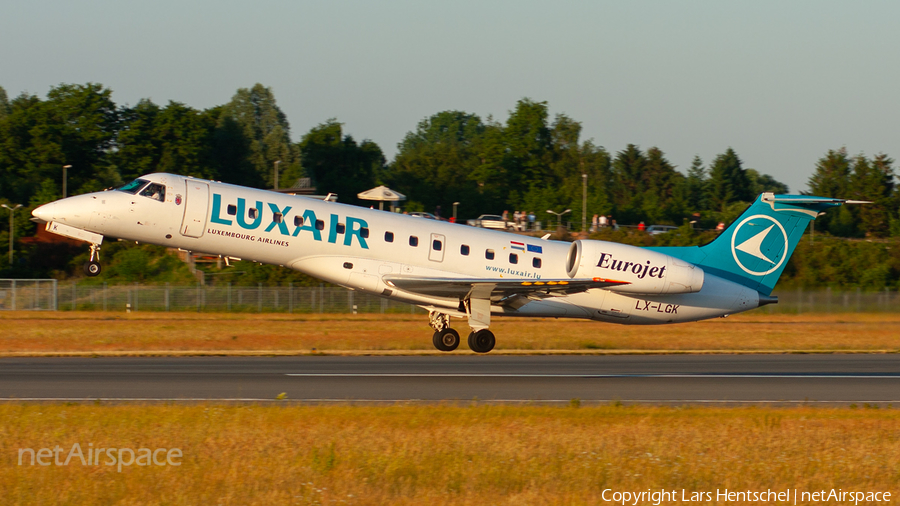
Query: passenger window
155, 192
364, 233
253, 212
489, 254
320, 225
231, 209
278, 217
298, 221
413, 240
536, 262
340, 228
436, 245
513, 258
388, 237
464, 250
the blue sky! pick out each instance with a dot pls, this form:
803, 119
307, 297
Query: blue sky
780, 82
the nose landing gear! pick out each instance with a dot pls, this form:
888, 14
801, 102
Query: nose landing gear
92, 266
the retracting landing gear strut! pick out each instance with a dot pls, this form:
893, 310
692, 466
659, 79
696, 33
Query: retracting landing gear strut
92, 266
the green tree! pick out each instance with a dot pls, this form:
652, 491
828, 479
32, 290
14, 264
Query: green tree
4, 104
832, 179
338, 164
75, 126
137, 144
628, 184
728, 181
760, 183
176, 139
696, 185
663, 190
528, 142
268, 131
873, 181
433, 164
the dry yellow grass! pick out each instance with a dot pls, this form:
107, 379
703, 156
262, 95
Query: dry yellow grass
88, 332
477, 455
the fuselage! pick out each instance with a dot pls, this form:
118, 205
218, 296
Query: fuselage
357, 247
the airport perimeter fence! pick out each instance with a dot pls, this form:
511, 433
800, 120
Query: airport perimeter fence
48, 294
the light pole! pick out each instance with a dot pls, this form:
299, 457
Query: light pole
559, 216
454, 211
64, 178
276, 173
11, 211
584, 203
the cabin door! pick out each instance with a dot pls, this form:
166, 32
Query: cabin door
195, 208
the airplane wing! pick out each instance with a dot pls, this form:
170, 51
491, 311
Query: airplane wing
499, 289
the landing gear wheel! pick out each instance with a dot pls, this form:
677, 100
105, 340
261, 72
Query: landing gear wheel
446, 340
92, 268
482, 341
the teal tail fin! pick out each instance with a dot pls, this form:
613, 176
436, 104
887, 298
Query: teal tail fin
754, 249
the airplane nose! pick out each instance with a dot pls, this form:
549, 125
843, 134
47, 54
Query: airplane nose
73, 211
44, 212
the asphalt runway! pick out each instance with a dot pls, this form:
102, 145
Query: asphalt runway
627, 378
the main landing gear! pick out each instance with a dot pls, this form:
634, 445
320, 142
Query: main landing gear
447, 339
482, 341
92, 266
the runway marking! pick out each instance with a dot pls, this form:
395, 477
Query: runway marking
623, 375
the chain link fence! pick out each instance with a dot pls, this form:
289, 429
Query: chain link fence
257, 299
800, 301
28, 294
48, 294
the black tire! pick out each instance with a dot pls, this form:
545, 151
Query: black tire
482, 341
446, 340
92, 268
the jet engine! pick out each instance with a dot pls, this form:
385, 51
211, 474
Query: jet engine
648, 272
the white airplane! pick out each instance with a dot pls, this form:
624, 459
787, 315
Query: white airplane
449, 269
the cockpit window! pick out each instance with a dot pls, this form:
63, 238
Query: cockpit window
155, 191
133, 186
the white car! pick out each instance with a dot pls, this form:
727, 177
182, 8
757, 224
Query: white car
660, 229
490, 221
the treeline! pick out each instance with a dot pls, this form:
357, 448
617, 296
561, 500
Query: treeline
530, 162
858, 177
527, 163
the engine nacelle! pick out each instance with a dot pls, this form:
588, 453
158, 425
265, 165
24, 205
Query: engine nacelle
648, 272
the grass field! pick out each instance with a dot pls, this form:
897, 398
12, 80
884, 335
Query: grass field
283, 454
102, 333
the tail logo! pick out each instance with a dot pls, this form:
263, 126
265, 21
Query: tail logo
751, 242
